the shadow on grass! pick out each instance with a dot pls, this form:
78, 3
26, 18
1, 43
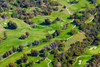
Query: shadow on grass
6, 27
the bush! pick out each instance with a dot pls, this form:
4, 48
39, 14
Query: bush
12, 25
24, 59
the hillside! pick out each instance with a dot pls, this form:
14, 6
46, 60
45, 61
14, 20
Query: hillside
49, 33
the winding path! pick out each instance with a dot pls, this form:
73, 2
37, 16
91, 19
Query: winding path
49, 62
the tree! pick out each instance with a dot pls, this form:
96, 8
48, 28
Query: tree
47, 22
24, 58
11, 52
49, 36
64, 7
58, 18
27, 34
34, 52
58, 31
6, 54
11, 65
94, 1
5, 35
31, 64
21, 47
23, 37
64, 26
14, 49
36, 42
12, 25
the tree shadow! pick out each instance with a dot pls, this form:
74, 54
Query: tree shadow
90, 1
6, 27
29, 54
41, 55
18, 61
43, 23
69, 33
90, 60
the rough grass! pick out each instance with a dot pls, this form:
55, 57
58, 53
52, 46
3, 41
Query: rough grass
73, 39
